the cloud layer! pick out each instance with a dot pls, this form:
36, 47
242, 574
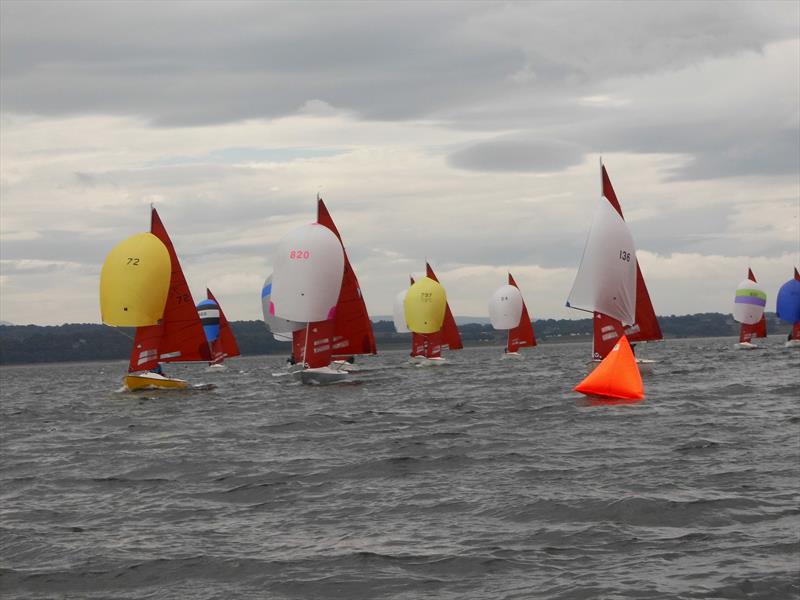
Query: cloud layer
465, 133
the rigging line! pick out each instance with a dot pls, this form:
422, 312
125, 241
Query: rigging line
119, 331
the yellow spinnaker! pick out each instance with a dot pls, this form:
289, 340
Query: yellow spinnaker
424, 306
134, 282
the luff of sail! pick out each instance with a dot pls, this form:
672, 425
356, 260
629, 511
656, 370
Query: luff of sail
134, 282
606, 279
179, 336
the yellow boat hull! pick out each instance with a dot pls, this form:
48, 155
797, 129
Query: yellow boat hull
152, 381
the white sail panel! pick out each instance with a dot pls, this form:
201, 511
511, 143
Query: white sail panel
399, 313
281, 328
309, 266
505, 307
750, 301
606, 279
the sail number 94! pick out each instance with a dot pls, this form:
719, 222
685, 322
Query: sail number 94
299, 254
625, 255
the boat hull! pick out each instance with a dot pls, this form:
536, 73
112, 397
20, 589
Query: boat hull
747, 346
422, 361
321, 376
512, 356
153, 381
792, 344
645, 364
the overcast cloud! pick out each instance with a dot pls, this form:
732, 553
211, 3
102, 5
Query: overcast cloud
465, 133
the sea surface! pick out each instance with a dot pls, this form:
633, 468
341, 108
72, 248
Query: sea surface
479, 479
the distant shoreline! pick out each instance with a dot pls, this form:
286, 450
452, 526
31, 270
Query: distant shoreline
89, 342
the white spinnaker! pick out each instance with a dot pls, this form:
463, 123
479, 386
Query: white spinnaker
281, 328
606, 279
399, 314
748, 307
309, 266
505, 307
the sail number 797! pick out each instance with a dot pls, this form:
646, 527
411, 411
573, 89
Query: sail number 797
625, 255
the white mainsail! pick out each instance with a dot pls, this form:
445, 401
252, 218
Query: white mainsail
606, 279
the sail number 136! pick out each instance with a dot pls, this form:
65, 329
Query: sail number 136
625, 255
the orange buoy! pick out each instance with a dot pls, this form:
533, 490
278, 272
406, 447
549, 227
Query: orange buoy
617, 375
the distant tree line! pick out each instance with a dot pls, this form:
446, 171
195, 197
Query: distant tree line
20, 344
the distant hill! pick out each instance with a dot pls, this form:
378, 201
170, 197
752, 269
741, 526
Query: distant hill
21, 344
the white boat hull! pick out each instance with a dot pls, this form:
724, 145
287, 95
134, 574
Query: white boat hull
792, 344
512, 356
343, 365
422, 361
746, 346
321, 375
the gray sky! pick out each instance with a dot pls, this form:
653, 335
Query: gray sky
467, 133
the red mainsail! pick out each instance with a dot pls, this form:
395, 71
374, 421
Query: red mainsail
521, 335
646, 327
756, 330
179, 336
451, 338
352, 330
225, 345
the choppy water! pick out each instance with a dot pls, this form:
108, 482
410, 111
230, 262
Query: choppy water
482, 479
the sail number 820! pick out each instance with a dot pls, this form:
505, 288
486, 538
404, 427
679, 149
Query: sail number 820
299, 254
625, 255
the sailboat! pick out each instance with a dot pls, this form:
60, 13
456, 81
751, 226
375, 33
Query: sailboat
608, 326
788, 308
750, 299
142, 285
314, 272
219, 335
426, 348
424, 310
507, 310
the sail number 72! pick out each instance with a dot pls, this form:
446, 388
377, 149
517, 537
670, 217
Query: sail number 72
625, 255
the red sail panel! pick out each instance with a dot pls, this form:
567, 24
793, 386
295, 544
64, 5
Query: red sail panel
756, 330
451, 338
225, 345
299, 346
428, 345
607, 332
179, 336
522, 335
646, 327
317, 347
796, 330
418, 344
353, 332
